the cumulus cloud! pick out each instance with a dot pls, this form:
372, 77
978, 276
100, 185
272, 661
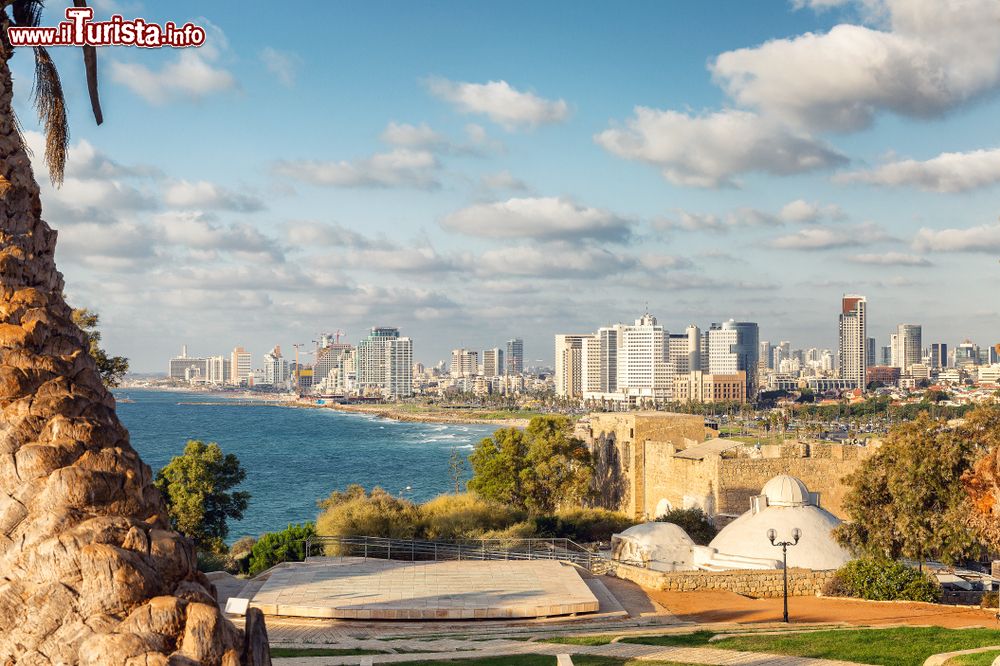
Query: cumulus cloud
200, 232
503, 180
553, 261
711, 150
539, 217
890, 259
806, 212
282, 64
982, 238
206, 195
798, 212
827, 238
192, 73
948, 172
423, 137
401, 167
931, 57
502, 103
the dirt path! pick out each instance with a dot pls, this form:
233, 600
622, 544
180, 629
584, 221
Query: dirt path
729, 607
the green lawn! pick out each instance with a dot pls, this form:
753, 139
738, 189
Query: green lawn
898, 646
978, 659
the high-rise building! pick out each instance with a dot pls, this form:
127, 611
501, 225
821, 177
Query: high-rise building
734, 346
642, 358
328, 356
569, 365
186, 368
939, 355
464, 363
766, 360
384, 362
870, 352
853, 339
694, 347
995, 354
240, 365
275, 368
218, 370
515, 356
967, 353
609, 339
906, 346
493, 362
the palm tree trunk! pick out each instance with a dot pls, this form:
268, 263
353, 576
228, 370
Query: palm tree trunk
84, 542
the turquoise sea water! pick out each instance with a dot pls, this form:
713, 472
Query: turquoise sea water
294, 457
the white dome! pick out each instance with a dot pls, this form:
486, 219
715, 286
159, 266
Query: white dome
817, 549
659, 546
785, 490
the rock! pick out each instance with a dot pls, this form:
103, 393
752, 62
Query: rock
91, 572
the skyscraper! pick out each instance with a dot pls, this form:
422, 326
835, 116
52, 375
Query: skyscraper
907, 346
569, 364
493, 362
515, 356
384, 362
240, 365
464, 363
939, 355
870, 352
764, 356
853, 339
732, 347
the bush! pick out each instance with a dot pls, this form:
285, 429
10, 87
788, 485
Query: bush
357, 513
287, 545
582, 525
990, 599
883, 580
209, 560
694, 522
464, 516
238, 559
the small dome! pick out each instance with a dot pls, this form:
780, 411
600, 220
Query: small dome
657, 534
785, 490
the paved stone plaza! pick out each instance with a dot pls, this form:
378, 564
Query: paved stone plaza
360, 589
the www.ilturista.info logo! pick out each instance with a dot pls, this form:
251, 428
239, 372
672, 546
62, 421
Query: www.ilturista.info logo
79, 29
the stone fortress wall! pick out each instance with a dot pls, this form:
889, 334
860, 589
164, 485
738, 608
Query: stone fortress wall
648, 462
755, 584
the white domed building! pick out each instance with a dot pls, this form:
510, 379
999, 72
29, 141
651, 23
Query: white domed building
784, 505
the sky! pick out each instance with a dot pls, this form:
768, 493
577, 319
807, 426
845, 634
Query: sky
473, 172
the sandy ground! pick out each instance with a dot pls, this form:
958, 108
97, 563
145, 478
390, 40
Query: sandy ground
730, 607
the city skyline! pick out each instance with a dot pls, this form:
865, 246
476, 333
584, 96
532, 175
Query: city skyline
534, 184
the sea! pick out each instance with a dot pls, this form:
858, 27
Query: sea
294, 456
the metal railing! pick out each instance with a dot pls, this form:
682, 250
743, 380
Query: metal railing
415, 550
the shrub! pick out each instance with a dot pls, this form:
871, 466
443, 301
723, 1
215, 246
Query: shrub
582, 525
990, 599
209, 560
694, 522
357, 513
464, 516
238, 558
883, 580
288, 545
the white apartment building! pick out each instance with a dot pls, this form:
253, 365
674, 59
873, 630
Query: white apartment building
275, 368
853, 339
493, 365
219, 370
384, 362
906, 346
240, 365
569, 364
464, 363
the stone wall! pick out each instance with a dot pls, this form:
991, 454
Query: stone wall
756, 584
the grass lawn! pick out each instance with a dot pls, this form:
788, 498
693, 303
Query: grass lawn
321, 652
897, 646
979, 659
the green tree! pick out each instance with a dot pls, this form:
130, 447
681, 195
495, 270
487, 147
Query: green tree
906, 500
288, 545
111, 368
539, 469
196, 486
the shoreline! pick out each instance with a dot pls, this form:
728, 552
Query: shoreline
377, 410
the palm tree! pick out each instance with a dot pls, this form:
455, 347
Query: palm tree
48, 92
91, 543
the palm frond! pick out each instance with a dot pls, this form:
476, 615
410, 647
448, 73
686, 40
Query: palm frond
51, 106
27, 12
90, 64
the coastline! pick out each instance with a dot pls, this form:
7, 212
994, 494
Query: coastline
388, 412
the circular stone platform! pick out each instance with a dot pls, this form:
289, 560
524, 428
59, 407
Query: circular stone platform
359, 589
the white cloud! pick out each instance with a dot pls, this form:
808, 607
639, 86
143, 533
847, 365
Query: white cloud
553, 261
983, 238
710, 150
502, 103
890, 259
948, 172
538, 217
826, 238
282, 64
197, 231
797, 212
933, 56
413, 136
397, 168
805, 212
191, 74
503, 180
206, 195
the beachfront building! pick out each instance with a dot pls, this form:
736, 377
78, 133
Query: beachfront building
384, 362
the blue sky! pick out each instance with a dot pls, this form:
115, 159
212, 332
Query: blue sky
471, 172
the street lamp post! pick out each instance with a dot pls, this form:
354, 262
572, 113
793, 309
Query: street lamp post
796, 535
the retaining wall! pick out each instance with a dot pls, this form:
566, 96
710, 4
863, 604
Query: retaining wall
750, 583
